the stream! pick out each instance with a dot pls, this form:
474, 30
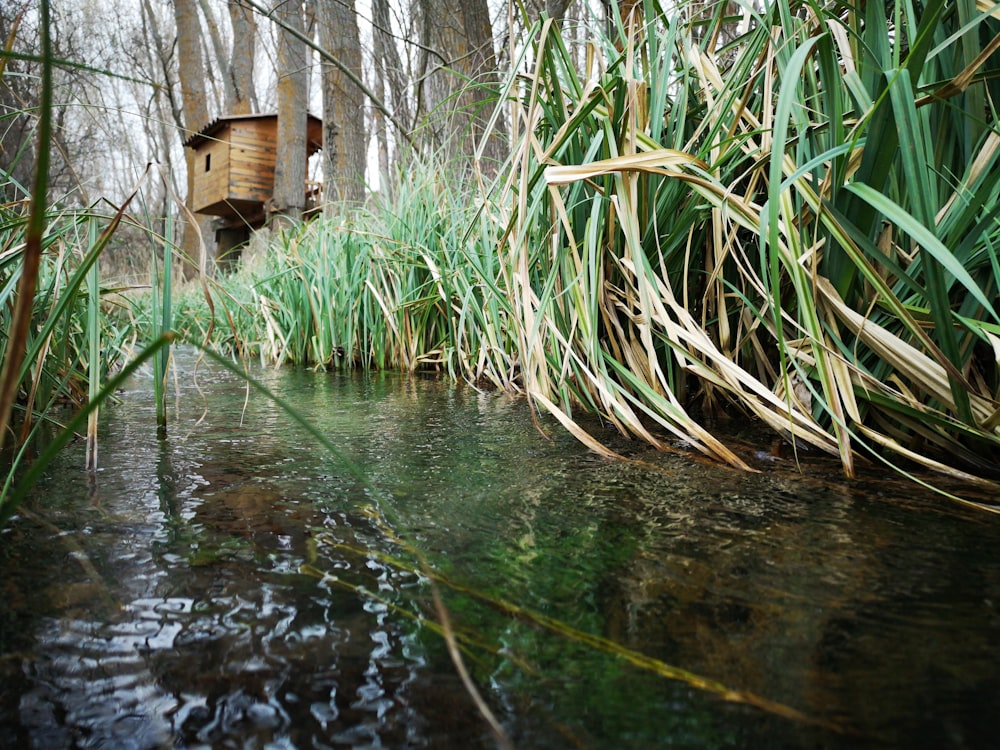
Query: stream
234, 584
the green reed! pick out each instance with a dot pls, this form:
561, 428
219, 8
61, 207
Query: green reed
411, 283
94, 324
705, 226
788, 212
162, 317
58, 347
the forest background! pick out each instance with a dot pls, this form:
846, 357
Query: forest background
140, 77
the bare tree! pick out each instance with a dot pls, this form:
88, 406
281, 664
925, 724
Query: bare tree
392, 79
293, 93
17, 97
191, 65
236, 60
76, 151
241, 62
344, 134
194, 98
220, 55
163, 98
457, 74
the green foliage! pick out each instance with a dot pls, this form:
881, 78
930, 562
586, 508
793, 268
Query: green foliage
791, 213
58, 357
57, 346
410, 284
800, 223
794, 216
72, 346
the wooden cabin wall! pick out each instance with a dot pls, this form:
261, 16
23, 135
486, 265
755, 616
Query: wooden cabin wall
252, 155
211, 186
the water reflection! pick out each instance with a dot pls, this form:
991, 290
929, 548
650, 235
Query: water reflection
163, 604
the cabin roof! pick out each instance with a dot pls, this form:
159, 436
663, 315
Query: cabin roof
209, 132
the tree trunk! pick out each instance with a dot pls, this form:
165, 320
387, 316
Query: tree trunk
344, 132
482, 98
17, 99
160, 109
382, 144
218, 53
293, 92
556, 9
459, 78
244, 24
191, 70
389, 64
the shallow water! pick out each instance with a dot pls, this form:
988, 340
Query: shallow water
233, 585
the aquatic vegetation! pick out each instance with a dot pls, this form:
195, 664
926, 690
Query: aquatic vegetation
790, 215
63, 354
412, 283
797, 224
59, 348
800, 224
473, 642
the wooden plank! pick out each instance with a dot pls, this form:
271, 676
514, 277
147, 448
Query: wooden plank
250, 170
252, 182
251, 133
250, 187
210, 188
254, 137
251, 179
211, 185
245, 189
232, 209
260, 127
238, 187
256, 147
246, 161
205, 194
242, 161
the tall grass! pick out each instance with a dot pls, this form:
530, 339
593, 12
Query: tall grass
57, 347
411, 283
790, 212
798, 224
162, 312
73, 352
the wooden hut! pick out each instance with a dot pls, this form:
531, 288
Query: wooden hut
234, 171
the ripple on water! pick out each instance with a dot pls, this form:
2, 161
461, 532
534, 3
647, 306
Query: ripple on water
866, 609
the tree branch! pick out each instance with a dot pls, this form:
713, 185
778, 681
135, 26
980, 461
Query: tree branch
369, 94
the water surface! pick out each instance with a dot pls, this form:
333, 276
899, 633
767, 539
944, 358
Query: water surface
233, 585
